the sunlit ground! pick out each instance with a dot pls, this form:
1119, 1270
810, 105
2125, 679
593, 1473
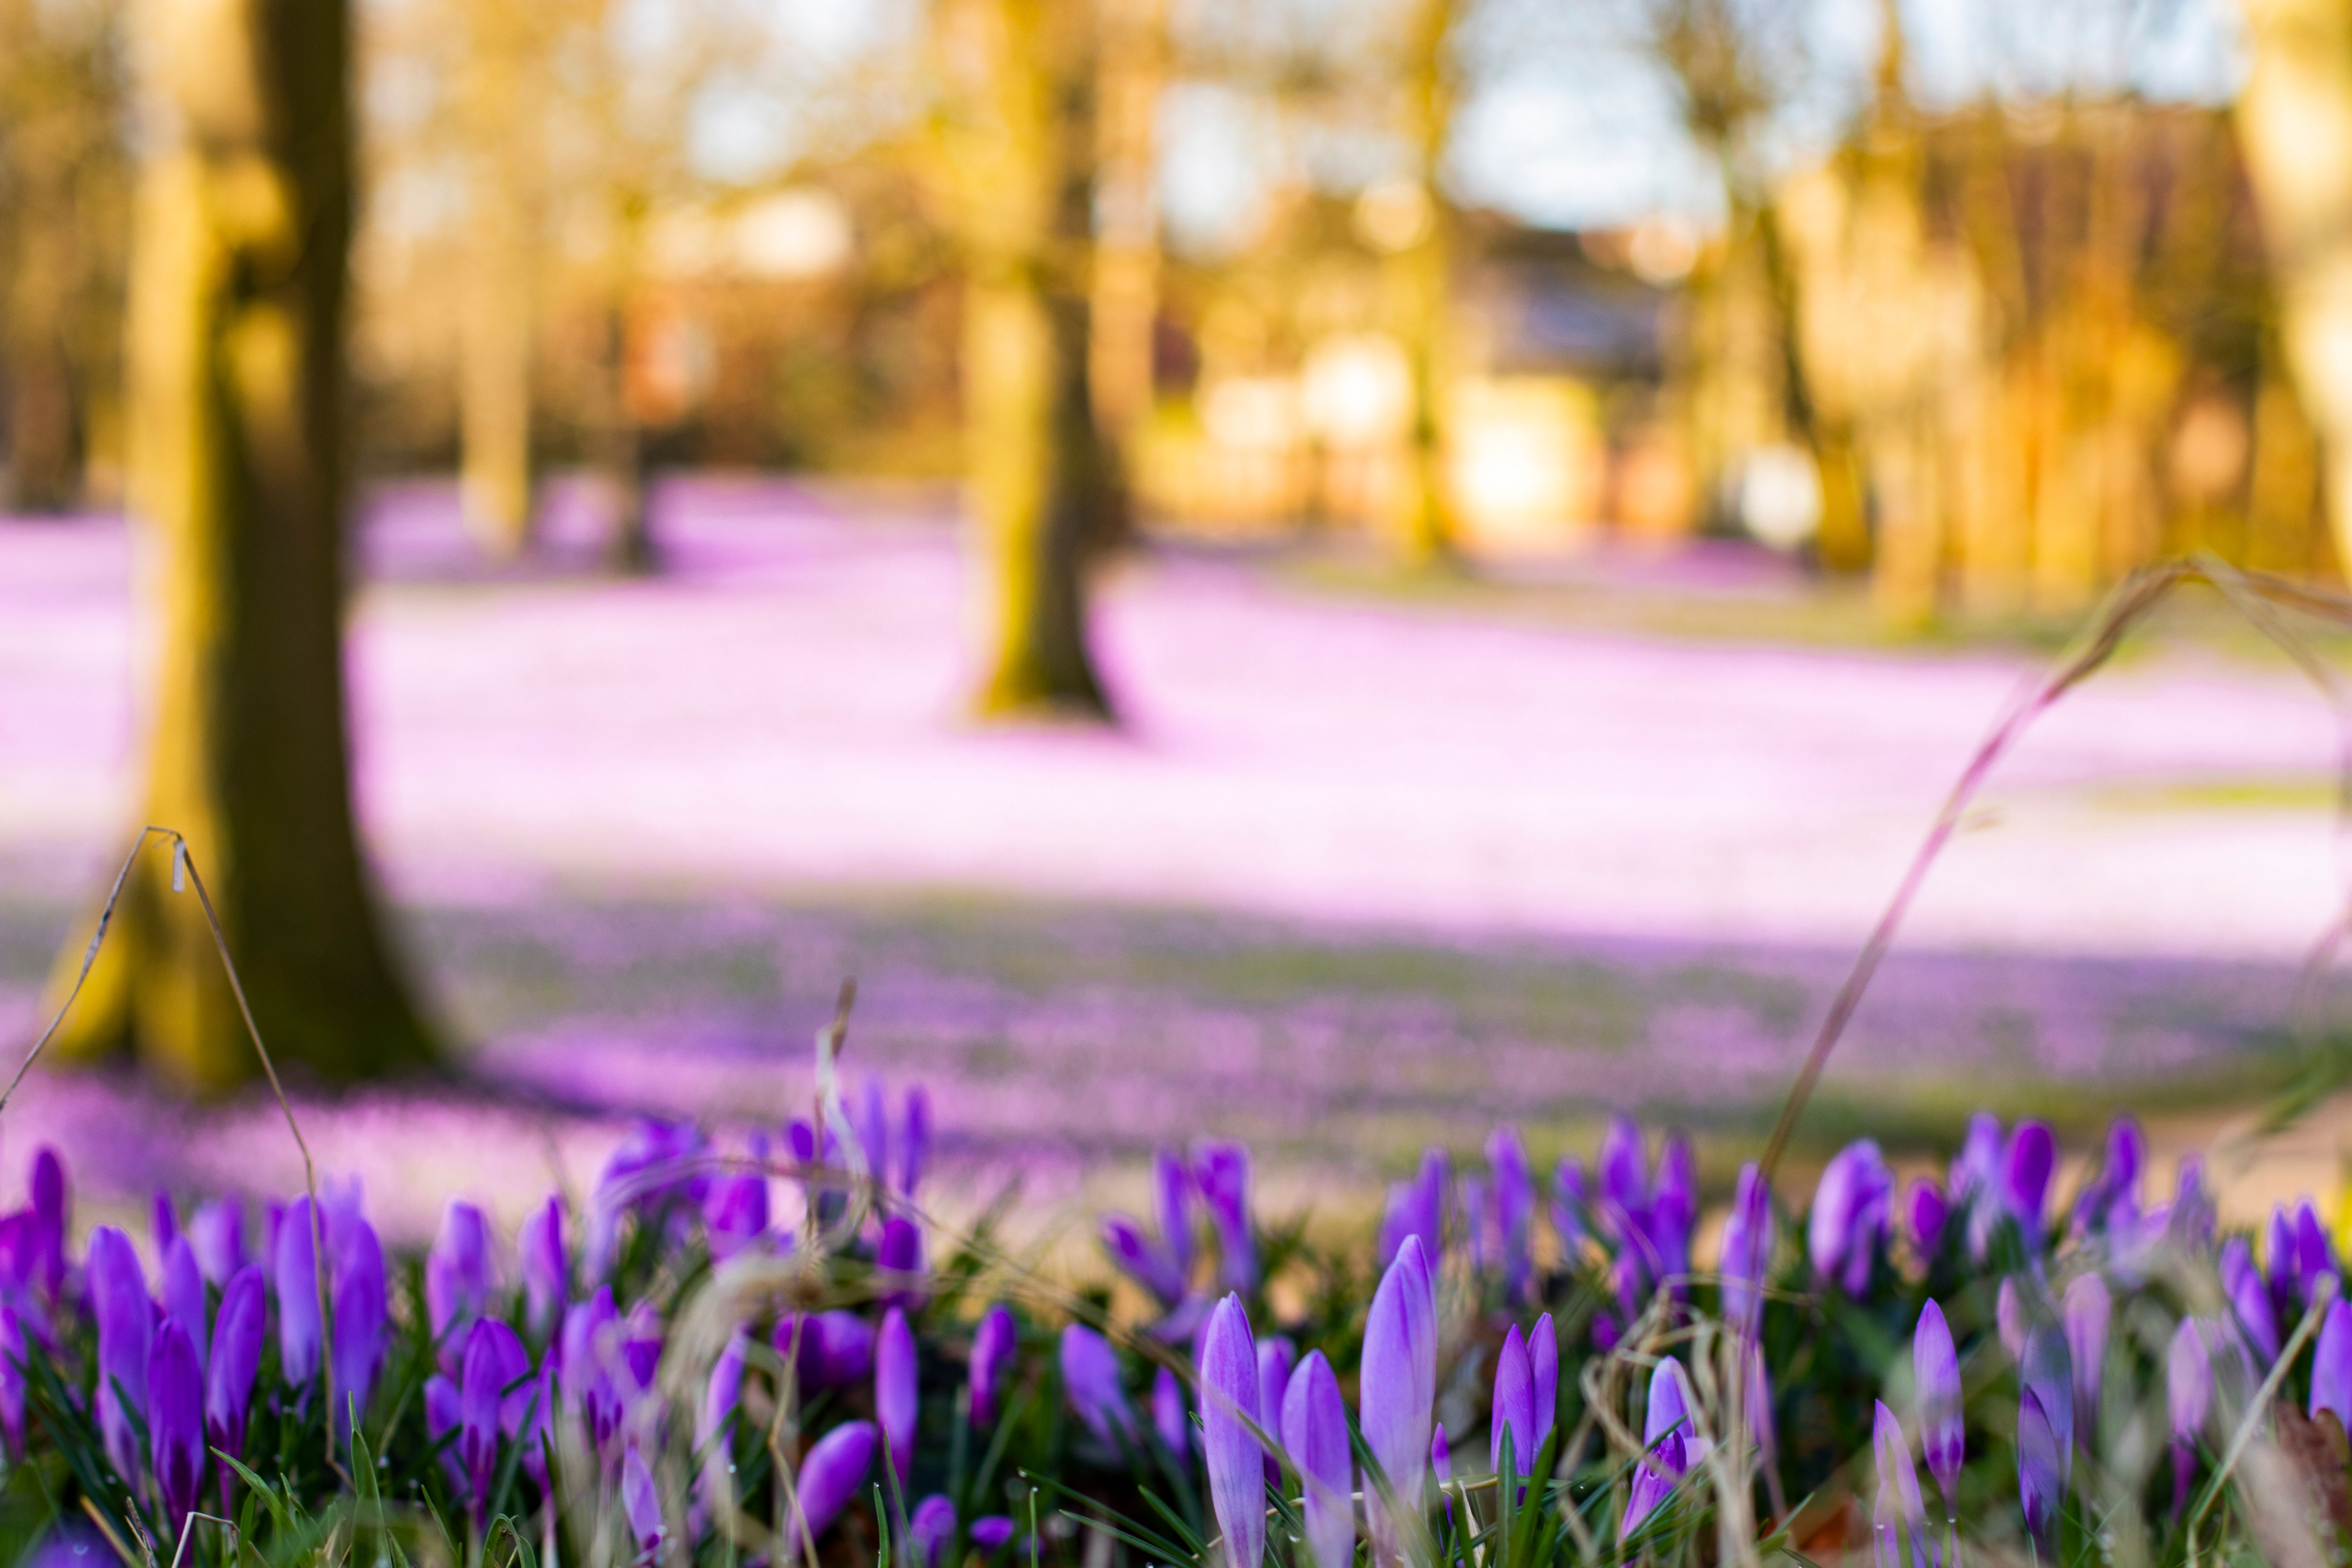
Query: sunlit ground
1369, 865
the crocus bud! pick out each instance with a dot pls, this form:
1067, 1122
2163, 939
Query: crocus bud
1440, 1467
2315, 1255
1168, 1416
2040, 1467
2189, 1393
1315, 1435
1514, 1207
1172, 1208
2250, 1299
494, 1360
900, 1252
735, 1213
1229, 1449
1898, 1504
175, 1419
932, 1526
299, 1325
1624, 1175
895, 1397
546, 1279
359, 1322
2025, 1167
1135, 1255
216, 1232
1936, 1374
1849, 1215
870, 1120
1091, 1380
1673, 1197
458, 1279
52, 1216
1514, 1408
830, 1476
1221, 1171
721, 1393
1399, 1381
1924, 1215
2047, 1372
236, 1357
914, 1152
1571, 1209
994, 1345
2331, 1365
990, 1531
1543, 1370
1978, 1165
1666, 1446
2009, 1319
165, 1219
1275, 1356
126, 1328
2111, 1201
184, 1302
828, 1350
641, 1503
1748, 1238
2086, 1310
1417, 1208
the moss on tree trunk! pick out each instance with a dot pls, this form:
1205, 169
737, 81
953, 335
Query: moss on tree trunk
239, 280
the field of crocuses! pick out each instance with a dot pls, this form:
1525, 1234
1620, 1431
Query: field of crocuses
769, 1353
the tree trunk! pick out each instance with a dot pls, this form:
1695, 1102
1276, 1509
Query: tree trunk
495, 325
1422, 279
1123, 312
2294, 123
239, 278
1038, 481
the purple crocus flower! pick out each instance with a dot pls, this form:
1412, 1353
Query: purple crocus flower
175, 1419
641, 1503
1543, 1371
458, 1279
1168, 1416
2188, 1393
1221, 1172
216, 1232
1936, 1374
12, 1382
126, 1329
735, 1213
1315, 1435
1674, 1209
2040, 1467
1923, 1214
546, 1283
2009, 1319
994, 1345
832, 1474
899, 1251
1898, 1505
1275, 1356
914, 1151
494, 1361
1665, 1448
1440, 1467
52, 1215
2085, 1312
1090, 1378
2315, 1255
871, 1121
990, 1531
300, 1334
444, 1409
1514, 1206
236, 1357
1135, 1255
932, 1526
1474, 1223
721, 1395
2331, 1365
184, 1302
829, 1350
2250, 1299
2047, 1372
1977, 1167
1417, 1208
1229, 1448
1172, 1206
359, 1322
1748, 1239
1399, 1384
590, 1347
2025, 1167
1571, 1209
166, 1220
2110, 1203
1623, 1168
1514, 1408
1849, 1215
895, 1391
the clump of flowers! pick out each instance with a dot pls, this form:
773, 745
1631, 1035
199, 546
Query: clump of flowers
759, 1350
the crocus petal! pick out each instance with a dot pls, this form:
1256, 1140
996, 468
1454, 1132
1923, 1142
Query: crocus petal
831, 1476
2250, 1299
735, 1213
1514, 1206
932, 1525
1623, 1169
2009, 1319
175, 1418
457, 1278
300, 1334
835, 1350
1275, 1356
13, 1362
1172, 1206
1221, 1172
1898, 1504
360, 1323
2047, 1371
641, 1502
990, 1531
2331, 1366
546, 1281
1849, 1215
1229, 1449
1135, 1255
2041, 1458
235, 1358
2189, 1380
1660, 1470
184, 1302
1315, 1435
2085, 1312
1571, 1209
52, 1216
126, 1327
895, 1390
1168, 1416
1514, 1408
1090, 1378
1924, 1215
1399, 1384
1747, 1254
914, 1153
1936, 1374
994, 1345
1543, 1370
216, 1232
900, 1252
2025, 1167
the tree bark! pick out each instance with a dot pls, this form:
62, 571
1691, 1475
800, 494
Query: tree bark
240, 281
495, 341
2294, 124
1023, 161
1422, 275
